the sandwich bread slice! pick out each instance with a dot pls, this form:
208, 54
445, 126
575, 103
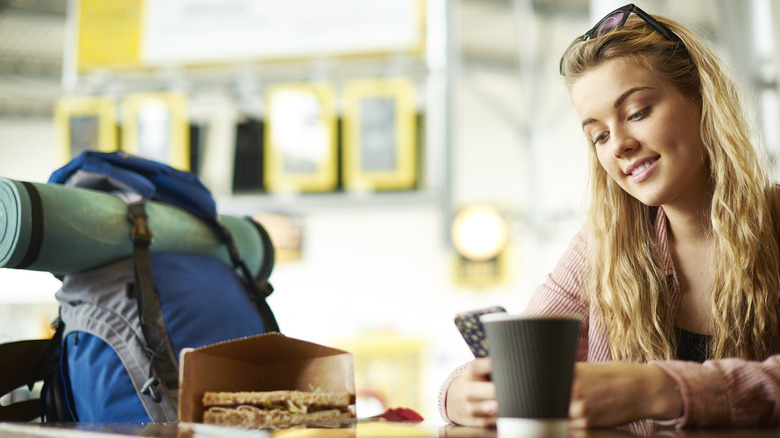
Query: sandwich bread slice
265, 409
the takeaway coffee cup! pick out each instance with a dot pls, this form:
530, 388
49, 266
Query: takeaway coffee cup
533, 365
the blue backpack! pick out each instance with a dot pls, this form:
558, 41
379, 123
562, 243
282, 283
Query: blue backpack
122, 325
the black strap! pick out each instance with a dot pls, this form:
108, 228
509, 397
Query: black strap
269, 252
258, 289
52, 406
158, 346
36, 235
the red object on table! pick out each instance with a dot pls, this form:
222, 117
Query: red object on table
400, 415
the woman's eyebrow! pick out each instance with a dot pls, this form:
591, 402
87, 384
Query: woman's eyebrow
625, 95
618, 101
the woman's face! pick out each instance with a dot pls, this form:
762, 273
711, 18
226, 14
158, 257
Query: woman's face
645, 133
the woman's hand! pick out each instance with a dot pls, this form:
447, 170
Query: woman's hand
615, 393
471, 398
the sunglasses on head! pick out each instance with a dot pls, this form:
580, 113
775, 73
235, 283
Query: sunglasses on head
615, 20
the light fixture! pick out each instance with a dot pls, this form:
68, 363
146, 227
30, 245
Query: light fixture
479, 232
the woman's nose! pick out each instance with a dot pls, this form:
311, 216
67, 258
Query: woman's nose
623, 143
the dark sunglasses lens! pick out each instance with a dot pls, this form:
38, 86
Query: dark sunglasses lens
609, 24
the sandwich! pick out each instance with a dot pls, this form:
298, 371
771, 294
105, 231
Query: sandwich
270, 409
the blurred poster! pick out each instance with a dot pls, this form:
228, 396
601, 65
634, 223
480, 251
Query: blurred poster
156, 127
300, 151
154, 131
380, 135
377, 136
85, 123
84, 133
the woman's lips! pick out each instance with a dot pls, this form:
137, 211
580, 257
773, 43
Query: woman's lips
643, 170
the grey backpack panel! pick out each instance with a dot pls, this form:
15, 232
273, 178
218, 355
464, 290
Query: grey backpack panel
97, 302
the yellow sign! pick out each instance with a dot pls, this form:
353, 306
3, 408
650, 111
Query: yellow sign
109, 33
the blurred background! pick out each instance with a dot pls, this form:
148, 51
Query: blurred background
463, 197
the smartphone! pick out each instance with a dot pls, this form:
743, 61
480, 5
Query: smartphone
471, 329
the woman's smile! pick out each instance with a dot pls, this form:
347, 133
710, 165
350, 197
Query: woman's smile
642, 169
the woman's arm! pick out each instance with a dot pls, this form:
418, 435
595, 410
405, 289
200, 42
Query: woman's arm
615, 393
731, 392
726, 392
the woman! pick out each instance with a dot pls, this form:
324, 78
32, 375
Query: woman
678, 263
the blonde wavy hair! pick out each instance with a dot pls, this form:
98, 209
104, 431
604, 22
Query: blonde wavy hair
628, 285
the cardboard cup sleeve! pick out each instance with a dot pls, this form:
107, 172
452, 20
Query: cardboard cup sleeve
533, 364
62, 230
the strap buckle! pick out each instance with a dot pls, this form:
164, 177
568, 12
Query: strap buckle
148, 389
139, 231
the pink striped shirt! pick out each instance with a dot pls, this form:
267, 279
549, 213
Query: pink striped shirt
730, 392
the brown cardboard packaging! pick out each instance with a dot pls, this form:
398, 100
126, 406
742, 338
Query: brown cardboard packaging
260, 363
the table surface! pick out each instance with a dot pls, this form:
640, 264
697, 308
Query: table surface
362, 429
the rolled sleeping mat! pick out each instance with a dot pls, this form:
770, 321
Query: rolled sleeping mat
62, 230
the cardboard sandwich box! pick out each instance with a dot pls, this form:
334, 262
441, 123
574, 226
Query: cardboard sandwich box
267, 362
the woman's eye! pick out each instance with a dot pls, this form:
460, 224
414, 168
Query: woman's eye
601, 138
639, 114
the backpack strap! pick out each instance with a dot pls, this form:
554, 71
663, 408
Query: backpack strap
162, 360
259, 289
52, 407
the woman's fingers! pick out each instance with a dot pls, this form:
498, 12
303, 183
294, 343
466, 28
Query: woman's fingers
481, 398
471, 399
480, 368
